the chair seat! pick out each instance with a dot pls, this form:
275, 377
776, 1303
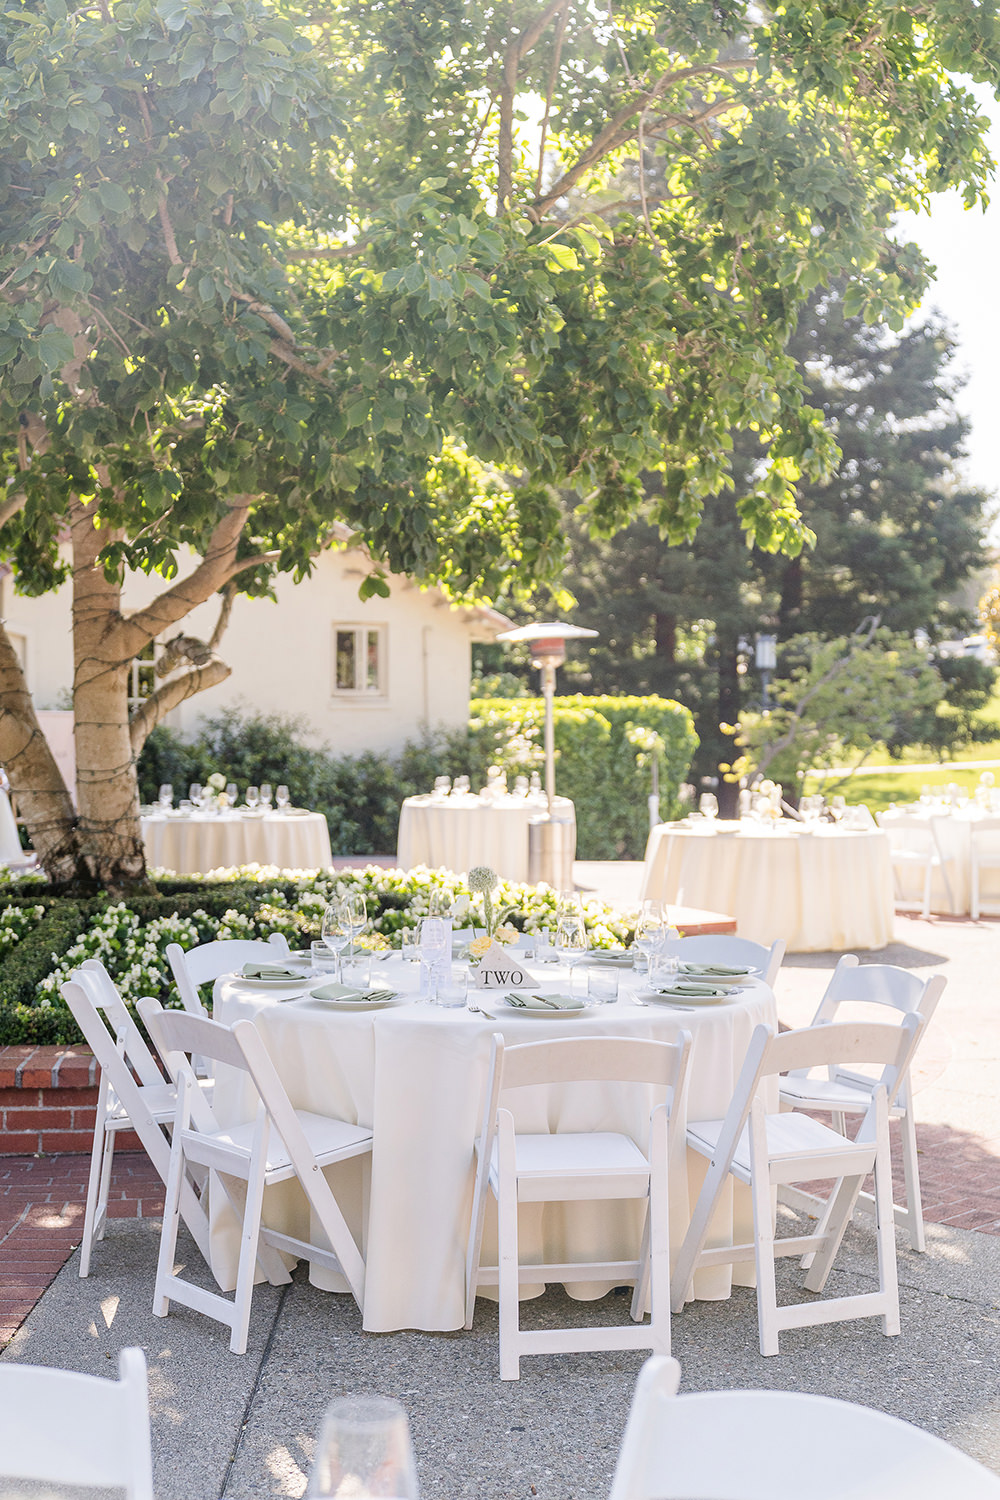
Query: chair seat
570, 1155
828, 1093
161, 1101
328, 1140
789, 1136
916, 857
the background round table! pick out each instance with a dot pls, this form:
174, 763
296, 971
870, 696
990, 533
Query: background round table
819, 886
416, 1074
457, 833
193, 844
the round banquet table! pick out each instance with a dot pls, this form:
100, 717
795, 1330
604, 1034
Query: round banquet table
821, 887
457, 833
416, 1074
193, 844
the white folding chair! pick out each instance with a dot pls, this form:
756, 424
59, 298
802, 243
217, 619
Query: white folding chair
770, 1150
777, 1445
724, 949
842, 1092
281, 1143
75, 1430
984, 854
573, 1166
915, 844
133, 1095
193, 967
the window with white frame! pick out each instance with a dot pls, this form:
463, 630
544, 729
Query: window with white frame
142, 676
359, 664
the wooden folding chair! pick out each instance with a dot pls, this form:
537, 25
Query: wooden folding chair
133, 1095
843, 1092
758, 1445
78, 1431
770, 1150
281, 1143
564, 1167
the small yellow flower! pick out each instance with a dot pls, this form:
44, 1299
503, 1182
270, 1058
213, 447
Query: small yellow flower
480, 945
506, 934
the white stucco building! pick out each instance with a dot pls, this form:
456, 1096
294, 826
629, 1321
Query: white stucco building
364, 676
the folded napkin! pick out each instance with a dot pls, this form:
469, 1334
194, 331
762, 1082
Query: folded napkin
617, 956
544, 1002
346, 992
724, 971
697, 991
263, 970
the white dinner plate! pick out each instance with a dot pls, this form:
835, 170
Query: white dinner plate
351, 1002
671, 997
499, 1009
272, 984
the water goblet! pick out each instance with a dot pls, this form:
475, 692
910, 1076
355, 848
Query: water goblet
232, 793
364, 1449
266, 796
435, 951
166, 797
282, 798
650, 933
571, 942
335, 932
196, 793
354, 914
252, 797
708, 805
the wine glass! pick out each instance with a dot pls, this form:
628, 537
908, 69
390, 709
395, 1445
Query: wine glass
571, 939
253, 796
335, 932
650, 932
282, 798
354, 915
438, 903
232, 793
364, 1449
435, 951
196, 792
166, 797
266, 796
708, 805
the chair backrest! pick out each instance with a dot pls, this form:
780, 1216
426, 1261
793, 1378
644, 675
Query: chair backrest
912, 833
984, 834
178, 1034
81, 1430
582, 1060
723, 948
110, 1030
770, 1440
193, 967
879, 984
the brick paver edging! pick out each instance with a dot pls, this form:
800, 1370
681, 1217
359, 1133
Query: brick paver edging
48, 1101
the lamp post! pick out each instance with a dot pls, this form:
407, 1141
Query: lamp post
766, 658
549, 850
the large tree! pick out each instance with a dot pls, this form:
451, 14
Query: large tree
266, 270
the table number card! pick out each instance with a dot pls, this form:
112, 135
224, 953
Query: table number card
499, 969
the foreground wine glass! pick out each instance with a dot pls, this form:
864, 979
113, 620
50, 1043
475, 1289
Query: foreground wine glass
335, 932
364, 1452
253, 796
354, 915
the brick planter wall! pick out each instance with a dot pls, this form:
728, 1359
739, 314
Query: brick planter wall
48, 1101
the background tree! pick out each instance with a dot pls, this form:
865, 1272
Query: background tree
264, 270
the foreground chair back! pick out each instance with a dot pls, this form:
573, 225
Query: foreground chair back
193, 967
563, 1167
77, 1430
724, 949
768, 1151
779, 1445
279, 1144
133, 1095
843, 1092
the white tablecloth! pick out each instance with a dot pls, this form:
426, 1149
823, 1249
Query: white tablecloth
460, 832
952, 828
820, 887
192, 845
10, 844
417, 1074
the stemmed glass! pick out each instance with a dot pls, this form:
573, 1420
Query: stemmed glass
335, 933
435, 949
708, 805
571, 939
196, 792
232, 793
282, 798
364, 1449
266, 796
650, 932
354, 915
166, 797
252, 797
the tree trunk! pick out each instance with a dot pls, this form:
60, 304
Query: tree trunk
727, 645
106, 783
790, 608
43, 800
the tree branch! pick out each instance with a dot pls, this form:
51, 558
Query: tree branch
12, 506
550, 90
531, 33
196, 680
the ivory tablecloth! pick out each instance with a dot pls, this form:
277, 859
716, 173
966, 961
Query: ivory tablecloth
416, 1074
820, 887
460, 832
192, 844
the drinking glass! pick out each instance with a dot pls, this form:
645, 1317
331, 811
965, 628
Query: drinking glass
266, 796
253, 796
708, 805
282, 798
602, 985
166, 796
324, 958
354, 915
232, 792
356, 969
196, 792
435, 950
453, 985
364, 1450
409, 944
571, 940
335, 932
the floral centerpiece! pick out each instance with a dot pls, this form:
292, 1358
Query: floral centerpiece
483, 882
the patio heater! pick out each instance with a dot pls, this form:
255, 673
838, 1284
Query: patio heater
766, 659
551, 840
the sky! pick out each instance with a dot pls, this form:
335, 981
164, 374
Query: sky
964, 244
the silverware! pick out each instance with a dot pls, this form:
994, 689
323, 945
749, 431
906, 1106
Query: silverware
550, 1003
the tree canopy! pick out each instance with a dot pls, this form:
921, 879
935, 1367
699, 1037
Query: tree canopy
266, 269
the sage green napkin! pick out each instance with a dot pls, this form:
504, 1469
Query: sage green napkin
263, 970
525, 1001
724, 971
696, 991
335, 991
